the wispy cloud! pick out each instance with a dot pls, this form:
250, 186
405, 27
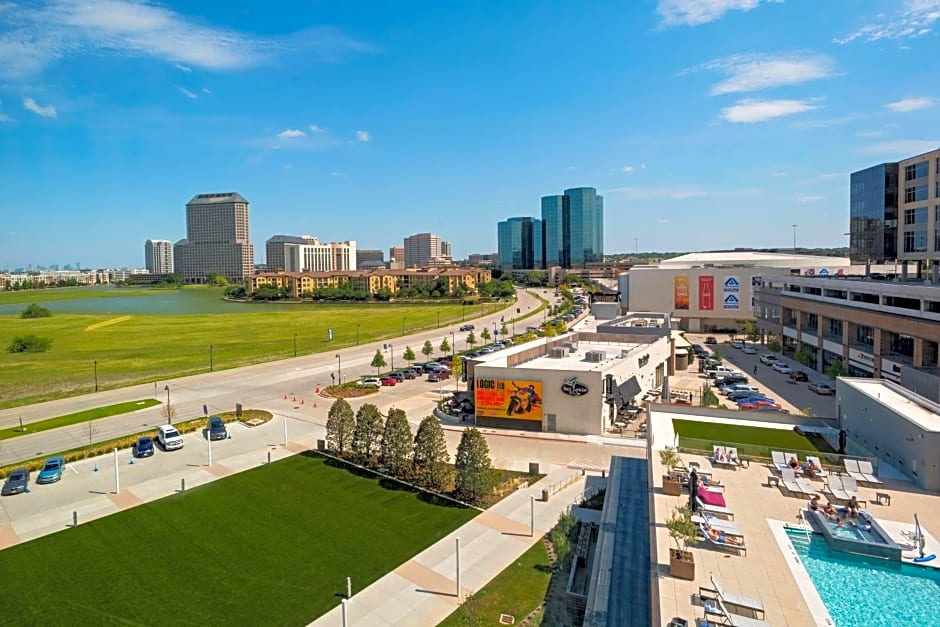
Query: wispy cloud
290, 133
697, 12
627, 168
652, 193
5, 118
316, 129
900, 148
750, 110
187, 93
182, 68
827, 122
36, 35
47, 111
754, 72
915, 19
363, 136
869, 133
804, 198
910, 104
206, 90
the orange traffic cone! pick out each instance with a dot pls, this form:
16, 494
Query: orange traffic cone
295, 399
301, 401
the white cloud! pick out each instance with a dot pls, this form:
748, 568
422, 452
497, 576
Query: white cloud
827, 123
749, 110
652, 193
363, 136
910, 104
31, 105
291, 132
900, 148
5, 118
316, 129
753, 72
288, 166
915, 19
663, 221
869, 133
809, 198
627, 168
187, 93
37, 35
642, 166
338, 174
696, 12
182, 68
206, 90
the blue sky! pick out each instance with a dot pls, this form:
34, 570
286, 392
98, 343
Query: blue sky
705, 124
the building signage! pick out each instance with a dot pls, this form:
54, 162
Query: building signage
706, 292
863, 357
573, 387
732, 284
824, 272
681, 282
732, 302
507, 398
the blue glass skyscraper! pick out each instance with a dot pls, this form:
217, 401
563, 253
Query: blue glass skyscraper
574, 228
520, 243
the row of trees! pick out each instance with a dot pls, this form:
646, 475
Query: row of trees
35, 311
366, 439
27, 284
345, 291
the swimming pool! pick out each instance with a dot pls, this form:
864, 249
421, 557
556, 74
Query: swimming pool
867, 591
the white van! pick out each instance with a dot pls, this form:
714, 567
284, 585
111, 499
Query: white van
717, 371
739, 387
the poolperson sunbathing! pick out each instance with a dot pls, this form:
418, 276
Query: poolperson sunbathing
794, 463
722, 538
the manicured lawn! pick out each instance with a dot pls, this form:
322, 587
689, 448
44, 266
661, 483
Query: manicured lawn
68, 293
517, 591
143, 348
271, 546
754, 441
80, 416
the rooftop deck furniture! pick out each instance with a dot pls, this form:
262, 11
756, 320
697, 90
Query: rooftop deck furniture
718, 610
868, 472
794, 485
723, 512
724, 540
729, 598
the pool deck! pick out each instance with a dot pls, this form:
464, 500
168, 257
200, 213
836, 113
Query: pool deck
764, 572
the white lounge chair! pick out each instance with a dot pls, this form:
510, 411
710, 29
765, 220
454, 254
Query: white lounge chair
867, 471
794, 485
724, 544
717, 510
726, 526
850, 486
836, 489
822, 472
725, 456
779, 460
729, 598
718, 609
852, 469
799, 469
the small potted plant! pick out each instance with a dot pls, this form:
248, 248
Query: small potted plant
682, 531
670, 459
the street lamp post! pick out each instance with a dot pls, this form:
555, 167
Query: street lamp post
339, 368
438, 320
295, 344
391, 352
453, 345
794, 236
169, 414
357, 333
96, 375
210, 358
403, 326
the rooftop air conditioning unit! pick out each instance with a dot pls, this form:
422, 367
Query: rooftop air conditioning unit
558, 352
595, 356
571, 346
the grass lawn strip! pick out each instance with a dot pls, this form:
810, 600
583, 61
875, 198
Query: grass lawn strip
753, 441
270, 546
78, 417
25, 297
517, 591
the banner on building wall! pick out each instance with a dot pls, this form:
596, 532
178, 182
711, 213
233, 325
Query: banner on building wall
506, 398
732, 302
731, 284
706, 293
681, 282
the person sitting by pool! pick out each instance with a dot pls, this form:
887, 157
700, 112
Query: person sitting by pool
852, 507
811, 468
794, 463
829, 510
723, 538
813, 503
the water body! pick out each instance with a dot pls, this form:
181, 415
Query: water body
161, 302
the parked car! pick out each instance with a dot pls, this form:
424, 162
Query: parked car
757, 399
738, 344
467, 327
719, 371
388, 381
799, 376
397, 375
750, 350
169, 438
768, 359
781, 367
432, 366
369, 382
730, 379
711, 339
743, 394
410, 373
143, 447
822, 388
51, 470
439, 375
773, 408
16, 483
217, 430
739, 387
757, 403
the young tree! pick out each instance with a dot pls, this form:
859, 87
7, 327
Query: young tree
485, 335
430, 460
456, 368
91, 430
836, 369
428, 349
471, 339
803, 356
472, 465
504, 330
367, 436
716, 355
378, 361
751, 331
340, 425
409, 355
397, 442
445, 347
773, 345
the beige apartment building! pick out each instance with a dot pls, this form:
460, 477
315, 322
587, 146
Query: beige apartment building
919, 212
371, 281
217, 239
426, 250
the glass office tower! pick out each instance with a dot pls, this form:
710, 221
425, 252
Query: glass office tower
520, 243
873, 214
574, 228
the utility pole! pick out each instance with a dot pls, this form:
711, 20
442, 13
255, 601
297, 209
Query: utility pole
794, 236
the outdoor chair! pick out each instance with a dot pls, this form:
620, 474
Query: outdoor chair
868, 472
729, 598
822, 472
723, 512
725, 526
794, 485
723, 541
852, 469
718, 610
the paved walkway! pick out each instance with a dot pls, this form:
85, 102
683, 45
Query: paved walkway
423, 590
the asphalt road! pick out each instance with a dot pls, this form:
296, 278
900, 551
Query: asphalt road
259, 386
778, 386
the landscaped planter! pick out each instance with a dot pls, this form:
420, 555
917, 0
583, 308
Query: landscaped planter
681, 564
671, 486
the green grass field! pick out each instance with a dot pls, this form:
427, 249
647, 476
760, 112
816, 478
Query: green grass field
516, 591
68, 293
141, 348
753, 441
271, 546
79, 416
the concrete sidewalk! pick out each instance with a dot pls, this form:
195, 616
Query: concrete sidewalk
423, 590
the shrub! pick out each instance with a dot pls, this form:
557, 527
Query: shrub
35, 311
29, 344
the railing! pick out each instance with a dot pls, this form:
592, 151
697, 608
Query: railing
759, 452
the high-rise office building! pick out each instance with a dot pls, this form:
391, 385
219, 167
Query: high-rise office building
158, 256
873, 214
520, 244
367, 258
919, 209
274, 251
308, 254
573, 228
396, 258
217, 239
426, 250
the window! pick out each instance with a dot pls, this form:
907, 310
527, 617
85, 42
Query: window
915, 241
918, 215
915, 193
937, 191
936, 239
916, 170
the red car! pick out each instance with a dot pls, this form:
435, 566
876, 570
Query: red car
439, 375
756, 404
389, 381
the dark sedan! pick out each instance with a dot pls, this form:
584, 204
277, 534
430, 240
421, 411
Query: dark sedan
16, 483
217, 430
143, 447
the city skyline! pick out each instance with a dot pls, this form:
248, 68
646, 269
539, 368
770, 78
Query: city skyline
682, 114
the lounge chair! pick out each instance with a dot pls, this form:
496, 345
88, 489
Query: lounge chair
723, 512
725, 456
822, 472
718, 609
779, 460
852, 469
794, 485
729, 598
836, 490
799, 469
723, 543
850, 486
867, 471
726, 526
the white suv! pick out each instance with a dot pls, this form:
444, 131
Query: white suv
768, 359
169, 438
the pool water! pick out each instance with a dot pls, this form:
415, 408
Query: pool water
861, 530
866, 591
